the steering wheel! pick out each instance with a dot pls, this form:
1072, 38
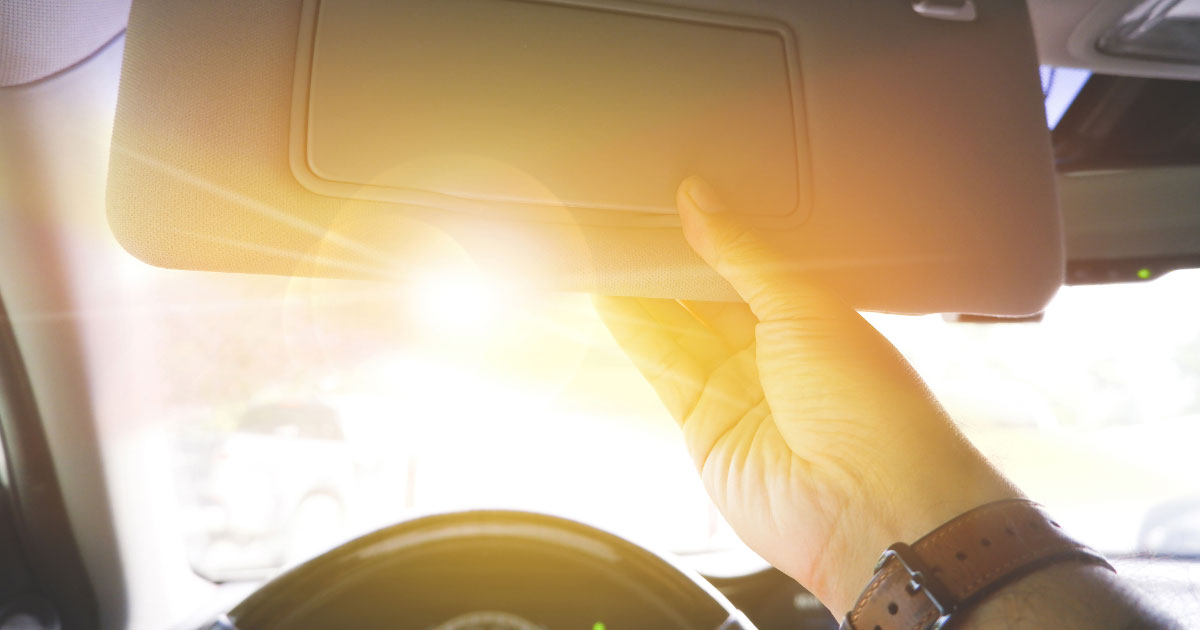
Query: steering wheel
487, 570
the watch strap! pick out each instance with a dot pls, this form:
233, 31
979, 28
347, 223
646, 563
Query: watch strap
919, 587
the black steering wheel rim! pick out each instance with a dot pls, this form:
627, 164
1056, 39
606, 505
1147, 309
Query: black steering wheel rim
291, 598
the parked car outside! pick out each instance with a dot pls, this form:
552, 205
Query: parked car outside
273, 490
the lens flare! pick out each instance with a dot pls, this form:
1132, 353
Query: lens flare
458, 304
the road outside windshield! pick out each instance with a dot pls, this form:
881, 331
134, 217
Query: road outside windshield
301, 413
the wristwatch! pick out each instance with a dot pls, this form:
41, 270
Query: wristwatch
939, 577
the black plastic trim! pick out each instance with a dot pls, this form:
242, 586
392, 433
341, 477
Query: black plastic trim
1140, 269
1121, 122
30, 481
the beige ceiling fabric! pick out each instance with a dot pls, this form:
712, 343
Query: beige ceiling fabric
41, 37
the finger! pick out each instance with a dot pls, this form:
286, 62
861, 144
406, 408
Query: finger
816, 356
677, 375
733, 322
733, 398
691, 334
769, 283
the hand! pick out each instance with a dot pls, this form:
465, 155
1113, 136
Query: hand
815, 438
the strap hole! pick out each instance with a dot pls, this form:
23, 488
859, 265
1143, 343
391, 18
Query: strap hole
878, 628
985, 542
1008, 530
961, 556
893, 608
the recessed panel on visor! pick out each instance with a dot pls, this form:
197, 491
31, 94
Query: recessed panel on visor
517, 108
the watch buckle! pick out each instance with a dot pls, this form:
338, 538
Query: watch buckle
921, 580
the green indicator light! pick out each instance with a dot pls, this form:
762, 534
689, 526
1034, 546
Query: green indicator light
1144, 273
599, 625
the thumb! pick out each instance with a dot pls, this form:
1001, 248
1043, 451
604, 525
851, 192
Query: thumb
771, 285
805, 335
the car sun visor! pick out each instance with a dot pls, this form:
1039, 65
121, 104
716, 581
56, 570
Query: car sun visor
896, 153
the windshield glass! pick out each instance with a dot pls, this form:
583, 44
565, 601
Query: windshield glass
304, 412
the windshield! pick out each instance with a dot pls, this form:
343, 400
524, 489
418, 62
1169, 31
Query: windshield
304, 412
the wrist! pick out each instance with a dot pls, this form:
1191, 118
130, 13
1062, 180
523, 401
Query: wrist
901, 512
945, 575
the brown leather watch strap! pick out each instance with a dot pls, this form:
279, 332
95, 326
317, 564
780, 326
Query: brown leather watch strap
922, 586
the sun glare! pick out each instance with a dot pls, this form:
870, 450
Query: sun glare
455, 303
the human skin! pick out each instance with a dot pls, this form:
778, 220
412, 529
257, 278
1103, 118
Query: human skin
814, 437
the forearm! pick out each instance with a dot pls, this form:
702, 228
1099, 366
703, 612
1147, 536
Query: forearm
822, 447
1066, 596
